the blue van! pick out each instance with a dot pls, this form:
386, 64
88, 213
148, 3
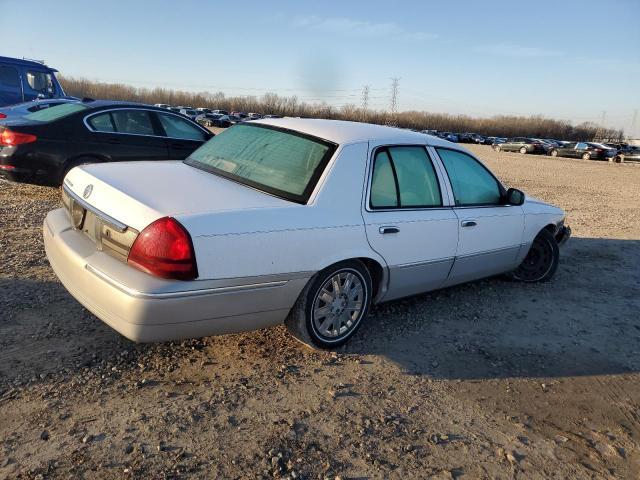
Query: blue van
26, 80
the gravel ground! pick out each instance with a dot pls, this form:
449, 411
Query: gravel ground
487, 380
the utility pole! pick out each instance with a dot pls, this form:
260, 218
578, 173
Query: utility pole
395, 83
633, 123
365, 102
599, 136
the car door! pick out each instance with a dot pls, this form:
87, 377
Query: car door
125, 134
581, 149
490, 232
181, 136
511, 145
10, 85
408, 219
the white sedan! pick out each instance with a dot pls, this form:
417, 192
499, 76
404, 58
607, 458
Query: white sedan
301, 221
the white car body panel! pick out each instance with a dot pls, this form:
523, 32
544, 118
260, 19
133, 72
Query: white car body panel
255, 252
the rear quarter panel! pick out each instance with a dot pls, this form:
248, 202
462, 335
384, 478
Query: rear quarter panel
293, 238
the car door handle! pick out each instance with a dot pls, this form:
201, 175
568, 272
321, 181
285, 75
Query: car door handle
384, 230
468, 223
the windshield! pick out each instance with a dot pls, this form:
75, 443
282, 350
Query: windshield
55, 113
280, 162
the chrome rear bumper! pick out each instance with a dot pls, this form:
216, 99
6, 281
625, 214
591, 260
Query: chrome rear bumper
144, 308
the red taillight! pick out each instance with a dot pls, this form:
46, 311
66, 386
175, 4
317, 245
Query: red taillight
2, 115
164, 249
9, 138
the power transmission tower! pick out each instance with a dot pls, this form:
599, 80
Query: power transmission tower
365, 102
395, 83
633, 123
599, 135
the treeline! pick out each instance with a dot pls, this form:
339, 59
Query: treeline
271, 103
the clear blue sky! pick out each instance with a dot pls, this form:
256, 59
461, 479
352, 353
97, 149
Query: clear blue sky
564, 58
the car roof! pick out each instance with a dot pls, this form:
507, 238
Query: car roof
344, 132
26, 63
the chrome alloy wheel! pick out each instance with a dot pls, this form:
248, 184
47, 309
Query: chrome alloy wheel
338, 304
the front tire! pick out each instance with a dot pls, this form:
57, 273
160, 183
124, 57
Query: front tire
332, 306
523, 150
541, 261
554, 153
497, 148
586, 156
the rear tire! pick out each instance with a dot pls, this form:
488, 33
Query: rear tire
497, 148
554, 153
523, 150
332, 306
541, 261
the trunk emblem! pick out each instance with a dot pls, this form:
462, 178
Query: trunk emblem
87, 191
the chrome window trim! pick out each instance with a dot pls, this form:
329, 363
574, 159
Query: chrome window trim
85, 120
442, 181
112, 222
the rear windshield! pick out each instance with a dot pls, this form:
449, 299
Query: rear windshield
55, 113
281, 162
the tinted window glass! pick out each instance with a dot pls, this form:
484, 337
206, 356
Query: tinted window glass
177, 127
581, 146
409, 168
269, 159
9, 77
102, 123
55, 113
137, 122
383, 183
472, 184
417, 179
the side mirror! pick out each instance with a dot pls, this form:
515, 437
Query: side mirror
514, 197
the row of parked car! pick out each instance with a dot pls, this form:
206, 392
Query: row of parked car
618, 152
214, 117
40, 141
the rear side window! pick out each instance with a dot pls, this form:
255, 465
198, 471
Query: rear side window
176, 127
9, 77
471, 182
102, 123
404, 177
134, 122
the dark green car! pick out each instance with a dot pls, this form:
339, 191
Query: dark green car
521, 144
585, 151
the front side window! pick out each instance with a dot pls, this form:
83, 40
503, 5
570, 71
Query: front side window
581, 146
135, 122
284, 163
471, 182
40, 82
9, 77
176, 127
404, 177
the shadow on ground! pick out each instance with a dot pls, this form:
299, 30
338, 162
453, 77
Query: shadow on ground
584, 322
